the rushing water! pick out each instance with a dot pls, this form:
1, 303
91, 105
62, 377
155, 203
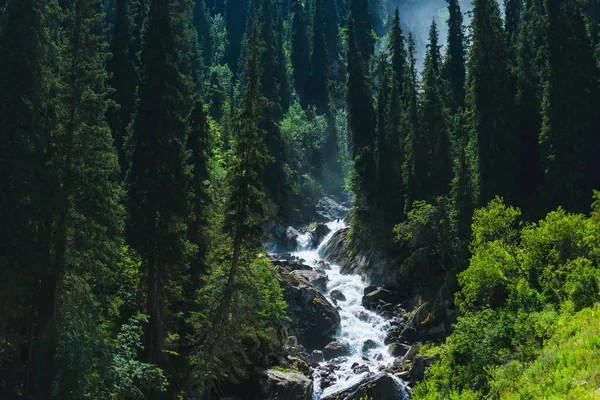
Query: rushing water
357, 324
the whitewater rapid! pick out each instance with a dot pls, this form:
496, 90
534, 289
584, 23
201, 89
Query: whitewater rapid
357, 324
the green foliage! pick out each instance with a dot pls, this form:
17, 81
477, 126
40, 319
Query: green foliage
518, 337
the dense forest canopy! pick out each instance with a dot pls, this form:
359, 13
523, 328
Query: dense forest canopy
145, 143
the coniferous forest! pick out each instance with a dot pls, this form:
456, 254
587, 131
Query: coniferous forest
155, 155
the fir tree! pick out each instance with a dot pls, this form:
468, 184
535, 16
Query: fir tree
397, 51
569, 136
235, 17
319, 78
462, 183
359, 12
362, 125
531, 57
490, 106
271, 63
300, 56
123, 79
331, 29
201, 21
158, 177
433, 122
512, 19
454, 63
415, 164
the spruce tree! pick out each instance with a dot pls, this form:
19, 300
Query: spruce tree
397, 51
433, 127
569, 136
513, 10
531, 59
235, 18
300, 56
88, 218
359, 13
490, 106
416, 158
462, 183
27, 119
454, 72
271, 63
331, 29
158, 199
123, 79
319, 77
201, 21
362, 125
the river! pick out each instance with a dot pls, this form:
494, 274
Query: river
357, 326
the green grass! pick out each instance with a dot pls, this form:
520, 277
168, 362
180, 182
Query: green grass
567, 368
288, 370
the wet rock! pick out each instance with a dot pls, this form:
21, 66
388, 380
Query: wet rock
284, 385
360, 369
410, 334
323, 265
327, 378
398, 349
317, 356
336, 349
336, 294
387, 308
289, 262
290, 241
274, 230
404, 375
379, 357
299, 364
369, 289
381, 387
419, 365
363, 316
318, 234
368, 345
313, 318
329, 210
316, 278
372, 300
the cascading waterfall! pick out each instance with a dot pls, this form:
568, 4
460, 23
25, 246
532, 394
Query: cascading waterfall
358, 325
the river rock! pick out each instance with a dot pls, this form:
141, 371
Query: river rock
289, 262
368, 345
274, 230
290, 240
313, 318
336, 294
329, 210
380, 387
323, 265
317, 356
372, 300
284, 385
399, 349
420, 364
410, 334
318, 234
336, 349
359, 369
316, 278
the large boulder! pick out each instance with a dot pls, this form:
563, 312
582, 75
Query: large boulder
338, 295
377, 297
284, 385
316, 278
313, 318
336, 349
318, 234
329, 210
290, 240
289, 262
273, 229
380, 387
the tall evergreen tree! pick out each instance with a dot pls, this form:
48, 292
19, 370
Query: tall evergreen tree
158, 177
332, 29
27, 118
462, 183
454, 63
271, 87
300, 56
359, 12
415, 164
362, 125
123, 78
397, 51
433, 127
87, 229
531, 59
281, 62
319, 77
201, 20
382, 155
569, 134
235, 15
513, 10
490, 106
